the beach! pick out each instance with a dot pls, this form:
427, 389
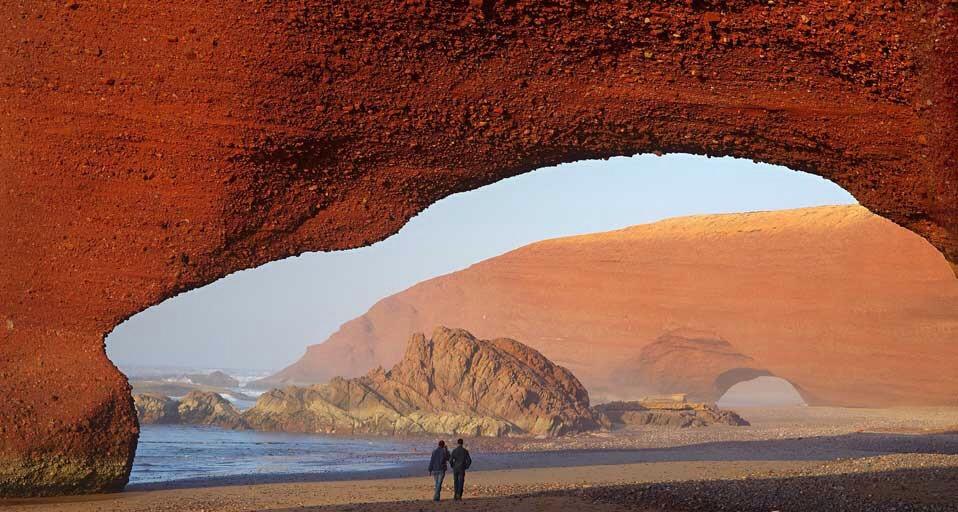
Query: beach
789, 459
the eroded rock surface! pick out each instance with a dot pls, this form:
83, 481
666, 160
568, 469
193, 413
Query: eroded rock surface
152, 408
196, 408
700, 363
206, 408
208, 137
674, 412
451, 383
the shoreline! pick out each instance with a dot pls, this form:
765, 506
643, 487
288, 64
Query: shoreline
788, 452
875, 484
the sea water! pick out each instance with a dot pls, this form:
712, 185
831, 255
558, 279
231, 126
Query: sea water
170, 453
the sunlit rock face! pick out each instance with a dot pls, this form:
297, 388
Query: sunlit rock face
156, 409
208, 137
196, 408
451, 383
208, 408
848, 307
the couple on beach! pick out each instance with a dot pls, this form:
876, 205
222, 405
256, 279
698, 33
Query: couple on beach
460, 461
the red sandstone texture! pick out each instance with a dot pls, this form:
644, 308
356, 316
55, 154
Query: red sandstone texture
147, 148
850, 308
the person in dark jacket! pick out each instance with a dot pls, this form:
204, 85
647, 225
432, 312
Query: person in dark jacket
460, 462
437, 467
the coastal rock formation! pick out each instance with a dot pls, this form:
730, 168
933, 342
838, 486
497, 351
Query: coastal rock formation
196, 408
674, 411
215, 378
206, 408
153, 408
700, 362
846, 306
451, 383
209, 137
166, 388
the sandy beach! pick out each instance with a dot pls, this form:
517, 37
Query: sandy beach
790, 459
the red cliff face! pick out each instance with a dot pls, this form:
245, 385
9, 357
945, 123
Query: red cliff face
850, 308
147, 148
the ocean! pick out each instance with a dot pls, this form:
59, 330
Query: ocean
180, 453
172, 453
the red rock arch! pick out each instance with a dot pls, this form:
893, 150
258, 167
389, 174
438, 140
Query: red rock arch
149, 148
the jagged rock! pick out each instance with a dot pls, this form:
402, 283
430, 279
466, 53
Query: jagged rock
207, 408
452, 383
671, 411
153, 408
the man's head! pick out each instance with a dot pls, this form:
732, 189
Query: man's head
442, 444
459, 442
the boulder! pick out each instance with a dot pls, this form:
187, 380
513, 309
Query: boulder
207, 408
152, 408
452, 383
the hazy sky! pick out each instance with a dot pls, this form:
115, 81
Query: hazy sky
265, 317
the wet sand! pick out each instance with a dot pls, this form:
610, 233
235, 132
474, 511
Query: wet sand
790, 459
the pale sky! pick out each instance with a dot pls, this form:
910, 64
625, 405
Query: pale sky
265, 317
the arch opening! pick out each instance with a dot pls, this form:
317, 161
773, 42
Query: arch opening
282, 311
582, 197
762, 391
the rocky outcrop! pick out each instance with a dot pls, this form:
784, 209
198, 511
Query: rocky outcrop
702, 363
153, 408
240, 133
206, 408
451, 383
216, 379
166, 388
669, 411
695, 305
196, 408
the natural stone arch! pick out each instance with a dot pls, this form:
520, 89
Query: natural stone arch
208, 137
729, 378
785, 391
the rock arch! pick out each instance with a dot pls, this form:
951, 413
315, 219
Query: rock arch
727, 379
763, 390
207, 137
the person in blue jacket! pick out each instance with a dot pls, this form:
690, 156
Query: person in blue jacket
437, 467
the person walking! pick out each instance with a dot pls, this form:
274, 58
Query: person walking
460, 462
437, 467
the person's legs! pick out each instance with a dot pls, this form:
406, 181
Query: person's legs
439, 476
459, 481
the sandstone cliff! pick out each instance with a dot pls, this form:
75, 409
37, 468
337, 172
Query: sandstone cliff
847, 306
451, 383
